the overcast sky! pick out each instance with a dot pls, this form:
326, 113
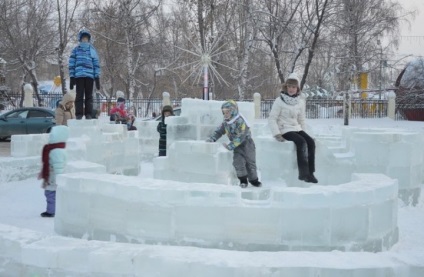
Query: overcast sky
412, 41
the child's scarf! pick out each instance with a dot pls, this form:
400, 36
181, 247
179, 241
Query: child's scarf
45, 171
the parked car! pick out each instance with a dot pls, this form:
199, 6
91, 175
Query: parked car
23, 121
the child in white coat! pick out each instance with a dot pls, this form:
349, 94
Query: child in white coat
287, 122
54, 160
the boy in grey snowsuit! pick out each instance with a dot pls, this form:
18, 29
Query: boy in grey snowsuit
238, 131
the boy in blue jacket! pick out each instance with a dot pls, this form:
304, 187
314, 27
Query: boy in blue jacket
84, 70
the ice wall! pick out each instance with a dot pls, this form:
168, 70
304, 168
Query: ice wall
189, 157
393, 152
29, 253
14, 169
196, 162
109, 145
357, 216
148, 139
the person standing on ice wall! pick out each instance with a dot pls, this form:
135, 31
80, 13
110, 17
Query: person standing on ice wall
287, 122
238, 132
54, 159
84, 70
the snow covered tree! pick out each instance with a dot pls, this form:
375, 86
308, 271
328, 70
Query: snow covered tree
26, 29
66, 13
130, 17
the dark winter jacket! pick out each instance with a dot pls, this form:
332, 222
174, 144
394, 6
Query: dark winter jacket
84, 61
161, 128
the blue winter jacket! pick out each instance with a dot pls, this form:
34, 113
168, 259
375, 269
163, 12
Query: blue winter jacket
84, 61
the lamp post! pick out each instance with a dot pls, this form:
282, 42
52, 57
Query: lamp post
381, 69
2, 71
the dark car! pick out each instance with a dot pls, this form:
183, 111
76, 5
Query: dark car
23, 121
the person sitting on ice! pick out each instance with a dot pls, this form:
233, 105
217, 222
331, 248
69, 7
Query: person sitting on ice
287, 122
119, 115
241, 142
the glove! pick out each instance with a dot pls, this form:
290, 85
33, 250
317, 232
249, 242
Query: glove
210, 140
279, 137
97, 81
226, 146
72, 83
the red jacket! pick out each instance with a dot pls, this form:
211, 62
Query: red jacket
122, 113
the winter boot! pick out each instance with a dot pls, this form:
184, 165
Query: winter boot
256, 183
312, 179
243, 181
304, 175
46, 214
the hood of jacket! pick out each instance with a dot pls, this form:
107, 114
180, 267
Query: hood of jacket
84, 32
232, 106
68, 97
58, 134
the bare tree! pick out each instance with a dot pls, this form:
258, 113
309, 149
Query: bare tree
27, 33
248, 34
275, 26
66, 11
131, 16
359, 27
317, 14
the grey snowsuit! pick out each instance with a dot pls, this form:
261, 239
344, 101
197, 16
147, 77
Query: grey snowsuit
244, 160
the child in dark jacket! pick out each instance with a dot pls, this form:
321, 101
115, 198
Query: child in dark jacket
241, 142
161, 128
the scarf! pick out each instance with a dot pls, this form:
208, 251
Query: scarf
236, 117
291, 100
45, 171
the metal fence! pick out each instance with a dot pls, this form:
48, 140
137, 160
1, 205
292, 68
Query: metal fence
410, 111
315, 108
333, 108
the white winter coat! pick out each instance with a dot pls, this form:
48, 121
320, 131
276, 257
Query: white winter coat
285, 118
57, 157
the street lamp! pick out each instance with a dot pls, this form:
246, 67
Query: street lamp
381, 68
2, 71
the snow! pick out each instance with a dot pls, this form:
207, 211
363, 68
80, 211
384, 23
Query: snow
43, 252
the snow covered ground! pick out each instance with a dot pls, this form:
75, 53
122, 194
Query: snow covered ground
21, 202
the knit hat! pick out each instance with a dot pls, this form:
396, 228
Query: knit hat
292, 80
167, 108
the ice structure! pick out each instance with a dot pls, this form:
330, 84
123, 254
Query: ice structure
352, 213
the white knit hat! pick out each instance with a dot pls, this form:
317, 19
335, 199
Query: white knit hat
293, 80
293, 76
